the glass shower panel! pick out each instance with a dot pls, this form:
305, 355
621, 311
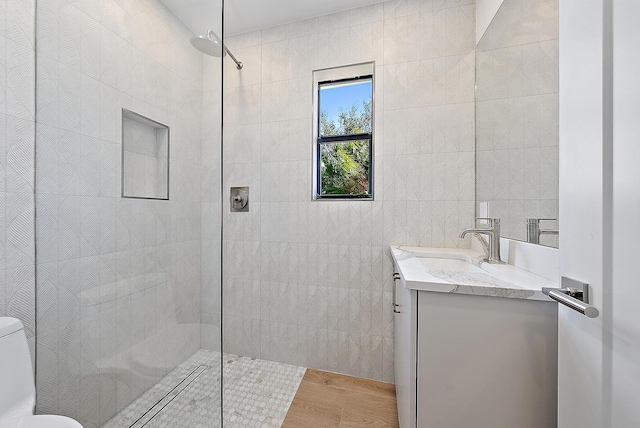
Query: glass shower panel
128, 282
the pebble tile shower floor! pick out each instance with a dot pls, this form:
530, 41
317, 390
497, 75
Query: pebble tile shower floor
258, 393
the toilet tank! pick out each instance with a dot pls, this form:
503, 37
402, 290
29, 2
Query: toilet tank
17, 386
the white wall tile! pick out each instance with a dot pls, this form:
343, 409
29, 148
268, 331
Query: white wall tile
335, 254
102, 258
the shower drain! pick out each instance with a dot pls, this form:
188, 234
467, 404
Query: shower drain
168, 398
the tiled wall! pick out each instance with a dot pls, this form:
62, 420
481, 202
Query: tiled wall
309, 283
17, 128
517, 116
145, 159
118, 279
211, 299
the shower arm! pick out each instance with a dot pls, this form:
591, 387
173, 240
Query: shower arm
211, 35
238, 63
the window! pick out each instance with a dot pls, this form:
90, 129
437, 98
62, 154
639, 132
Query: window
344, 133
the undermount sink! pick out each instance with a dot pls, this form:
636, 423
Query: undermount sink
463, 271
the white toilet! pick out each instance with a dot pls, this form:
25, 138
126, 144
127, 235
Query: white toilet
17, 387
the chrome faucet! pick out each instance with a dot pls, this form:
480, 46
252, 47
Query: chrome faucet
534, 231
493, 234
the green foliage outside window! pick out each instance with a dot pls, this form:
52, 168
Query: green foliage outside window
345, 166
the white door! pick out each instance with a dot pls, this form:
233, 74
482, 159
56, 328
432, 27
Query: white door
599, 359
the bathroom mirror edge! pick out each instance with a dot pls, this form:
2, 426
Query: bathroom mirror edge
516, 121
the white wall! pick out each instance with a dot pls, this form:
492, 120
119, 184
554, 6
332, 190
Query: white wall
309, 282
599, 362
485, 11
119, 286
211, 217
17, 129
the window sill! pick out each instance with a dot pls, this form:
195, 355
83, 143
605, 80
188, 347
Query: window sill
343, 198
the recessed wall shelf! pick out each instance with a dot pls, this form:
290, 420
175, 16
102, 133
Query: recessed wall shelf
145, 157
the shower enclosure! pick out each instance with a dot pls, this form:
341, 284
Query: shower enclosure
136, 243
128, 208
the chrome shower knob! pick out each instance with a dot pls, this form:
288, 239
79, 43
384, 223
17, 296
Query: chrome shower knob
239, 199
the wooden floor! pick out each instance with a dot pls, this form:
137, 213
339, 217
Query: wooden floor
332, 400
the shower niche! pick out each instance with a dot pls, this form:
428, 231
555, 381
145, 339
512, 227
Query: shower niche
145, 157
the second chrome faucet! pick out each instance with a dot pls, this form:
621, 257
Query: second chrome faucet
492, 231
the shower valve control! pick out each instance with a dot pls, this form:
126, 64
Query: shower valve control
239, 199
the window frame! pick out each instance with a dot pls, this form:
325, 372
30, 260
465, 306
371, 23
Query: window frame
336, 76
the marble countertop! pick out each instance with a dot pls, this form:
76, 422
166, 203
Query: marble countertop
488, 280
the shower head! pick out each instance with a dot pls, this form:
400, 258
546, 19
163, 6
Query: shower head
212, 45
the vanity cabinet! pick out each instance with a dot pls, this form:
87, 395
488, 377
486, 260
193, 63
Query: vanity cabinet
405, 343
474, 361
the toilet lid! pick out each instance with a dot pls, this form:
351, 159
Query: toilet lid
40, 421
